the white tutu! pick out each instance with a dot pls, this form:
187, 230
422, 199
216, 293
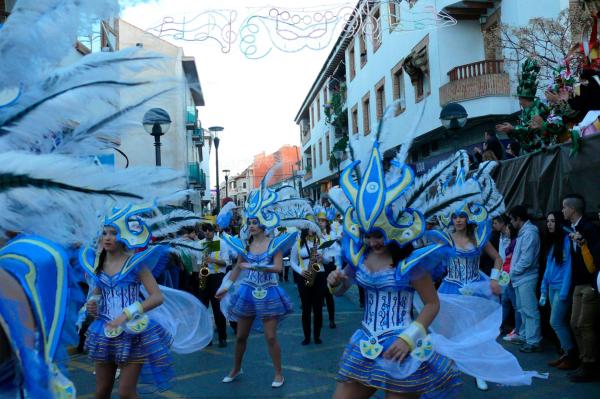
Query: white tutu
185, 318
465, 330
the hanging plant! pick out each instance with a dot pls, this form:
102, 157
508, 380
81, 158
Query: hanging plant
341, 144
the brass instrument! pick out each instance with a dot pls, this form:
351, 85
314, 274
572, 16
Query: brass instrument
204, 271
313, 265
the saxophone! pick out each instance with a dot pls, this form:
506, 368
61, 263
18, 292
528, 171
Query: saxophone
204, 271
313, 265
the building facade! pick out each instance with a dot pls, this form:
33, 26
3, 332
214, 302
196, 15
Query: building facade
395, 63
186, 146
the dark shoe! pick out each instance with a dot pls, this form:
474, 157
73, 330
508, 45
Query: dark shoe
222, 343
585, 373
527, 348
306, 341
332, 324
557, 362
318, 341
568, 364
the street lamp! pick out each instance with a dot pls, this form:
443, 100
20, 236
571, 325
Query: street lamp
215, 130
226, 171
157, 122
453, 118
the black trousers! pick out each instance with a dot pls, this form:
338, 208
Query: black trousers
312, 302
207, 295
328, 296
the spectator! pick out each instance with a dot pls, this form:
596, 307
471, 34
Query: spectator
524, 275
513, 149
583, 248
556, 286
490, 143
506, 245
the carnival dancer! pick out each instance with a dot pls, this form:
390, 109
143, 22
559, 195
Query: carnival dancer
389, 351
52, 185
125, 334
211, 273
257, 300
468, 296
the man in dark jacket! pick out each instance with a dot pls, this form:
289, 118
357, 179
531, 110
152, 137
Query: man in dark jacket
584, 258
490, 143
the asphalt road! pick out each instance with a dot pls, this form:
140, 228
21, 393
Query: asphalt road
310, 370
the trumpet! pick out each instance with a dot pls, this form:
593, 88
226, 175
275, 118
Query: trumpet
314, 266
204, 272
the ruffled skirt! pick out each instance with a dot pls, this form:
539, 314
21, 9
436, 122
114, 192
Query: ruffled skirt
242, 302
436, 377
150, 348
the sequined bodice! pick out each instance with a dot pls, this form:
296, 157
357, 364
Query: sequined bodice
463, 267
258, 278
387, 304
116, 297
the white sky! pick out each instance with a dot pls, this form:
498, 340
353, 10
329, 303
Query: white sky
254, 100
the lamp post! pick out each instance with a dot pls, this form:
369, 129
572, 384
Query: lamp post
215, 130
453, 117
226, 172
157, 122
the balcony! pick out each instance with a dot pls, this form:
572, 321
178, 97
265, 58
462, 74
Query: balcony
191, 118
197, 136
479, 79
196, 176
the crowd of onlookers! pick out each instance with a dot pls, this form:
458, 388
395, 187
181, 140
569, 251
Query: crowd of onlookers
552, 269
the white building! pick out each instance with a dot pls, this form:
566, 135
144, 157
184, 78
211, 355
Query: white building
418, 68
185, 146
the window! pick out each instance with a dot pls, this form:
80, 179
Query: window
394, 9
398, 88
233, 184
366, 114
244, 185
355, 119
376, 27
327, 146
416, 66
312, 118
380, 98
325, 94
352, 60
320, 152
363, 48
318, 108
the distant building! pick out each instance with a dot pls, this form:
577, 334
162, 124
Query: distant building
288, 156
185, 146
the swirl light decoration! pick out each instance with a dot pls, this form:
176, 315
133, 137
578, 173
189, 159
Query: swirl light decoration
292, 30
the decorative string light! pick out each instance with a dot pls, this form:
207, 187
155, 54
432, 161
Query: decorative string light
292, 30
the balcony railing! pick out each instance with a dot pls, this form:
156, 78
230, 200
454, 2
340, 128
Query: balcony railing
196, 175
191, 117
486, 67
478, 79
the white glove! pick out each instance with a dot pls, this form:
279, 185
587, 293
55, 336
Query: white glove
543, 300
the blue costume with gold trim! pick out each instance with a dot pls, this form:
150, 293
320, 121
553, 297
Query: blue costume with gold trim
377, 204
36, 328
257, 294
150, 346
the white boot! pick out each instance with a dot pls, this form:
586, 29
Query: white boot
481, 384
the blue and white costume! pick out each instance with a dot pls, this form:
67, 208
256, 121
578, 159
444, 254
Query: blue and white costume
147, 338
466, 300
374, 201
38, 328
257, 294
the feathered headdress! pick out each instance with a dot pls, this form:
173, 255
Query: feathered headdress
277, 207
395, 202
55, 119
